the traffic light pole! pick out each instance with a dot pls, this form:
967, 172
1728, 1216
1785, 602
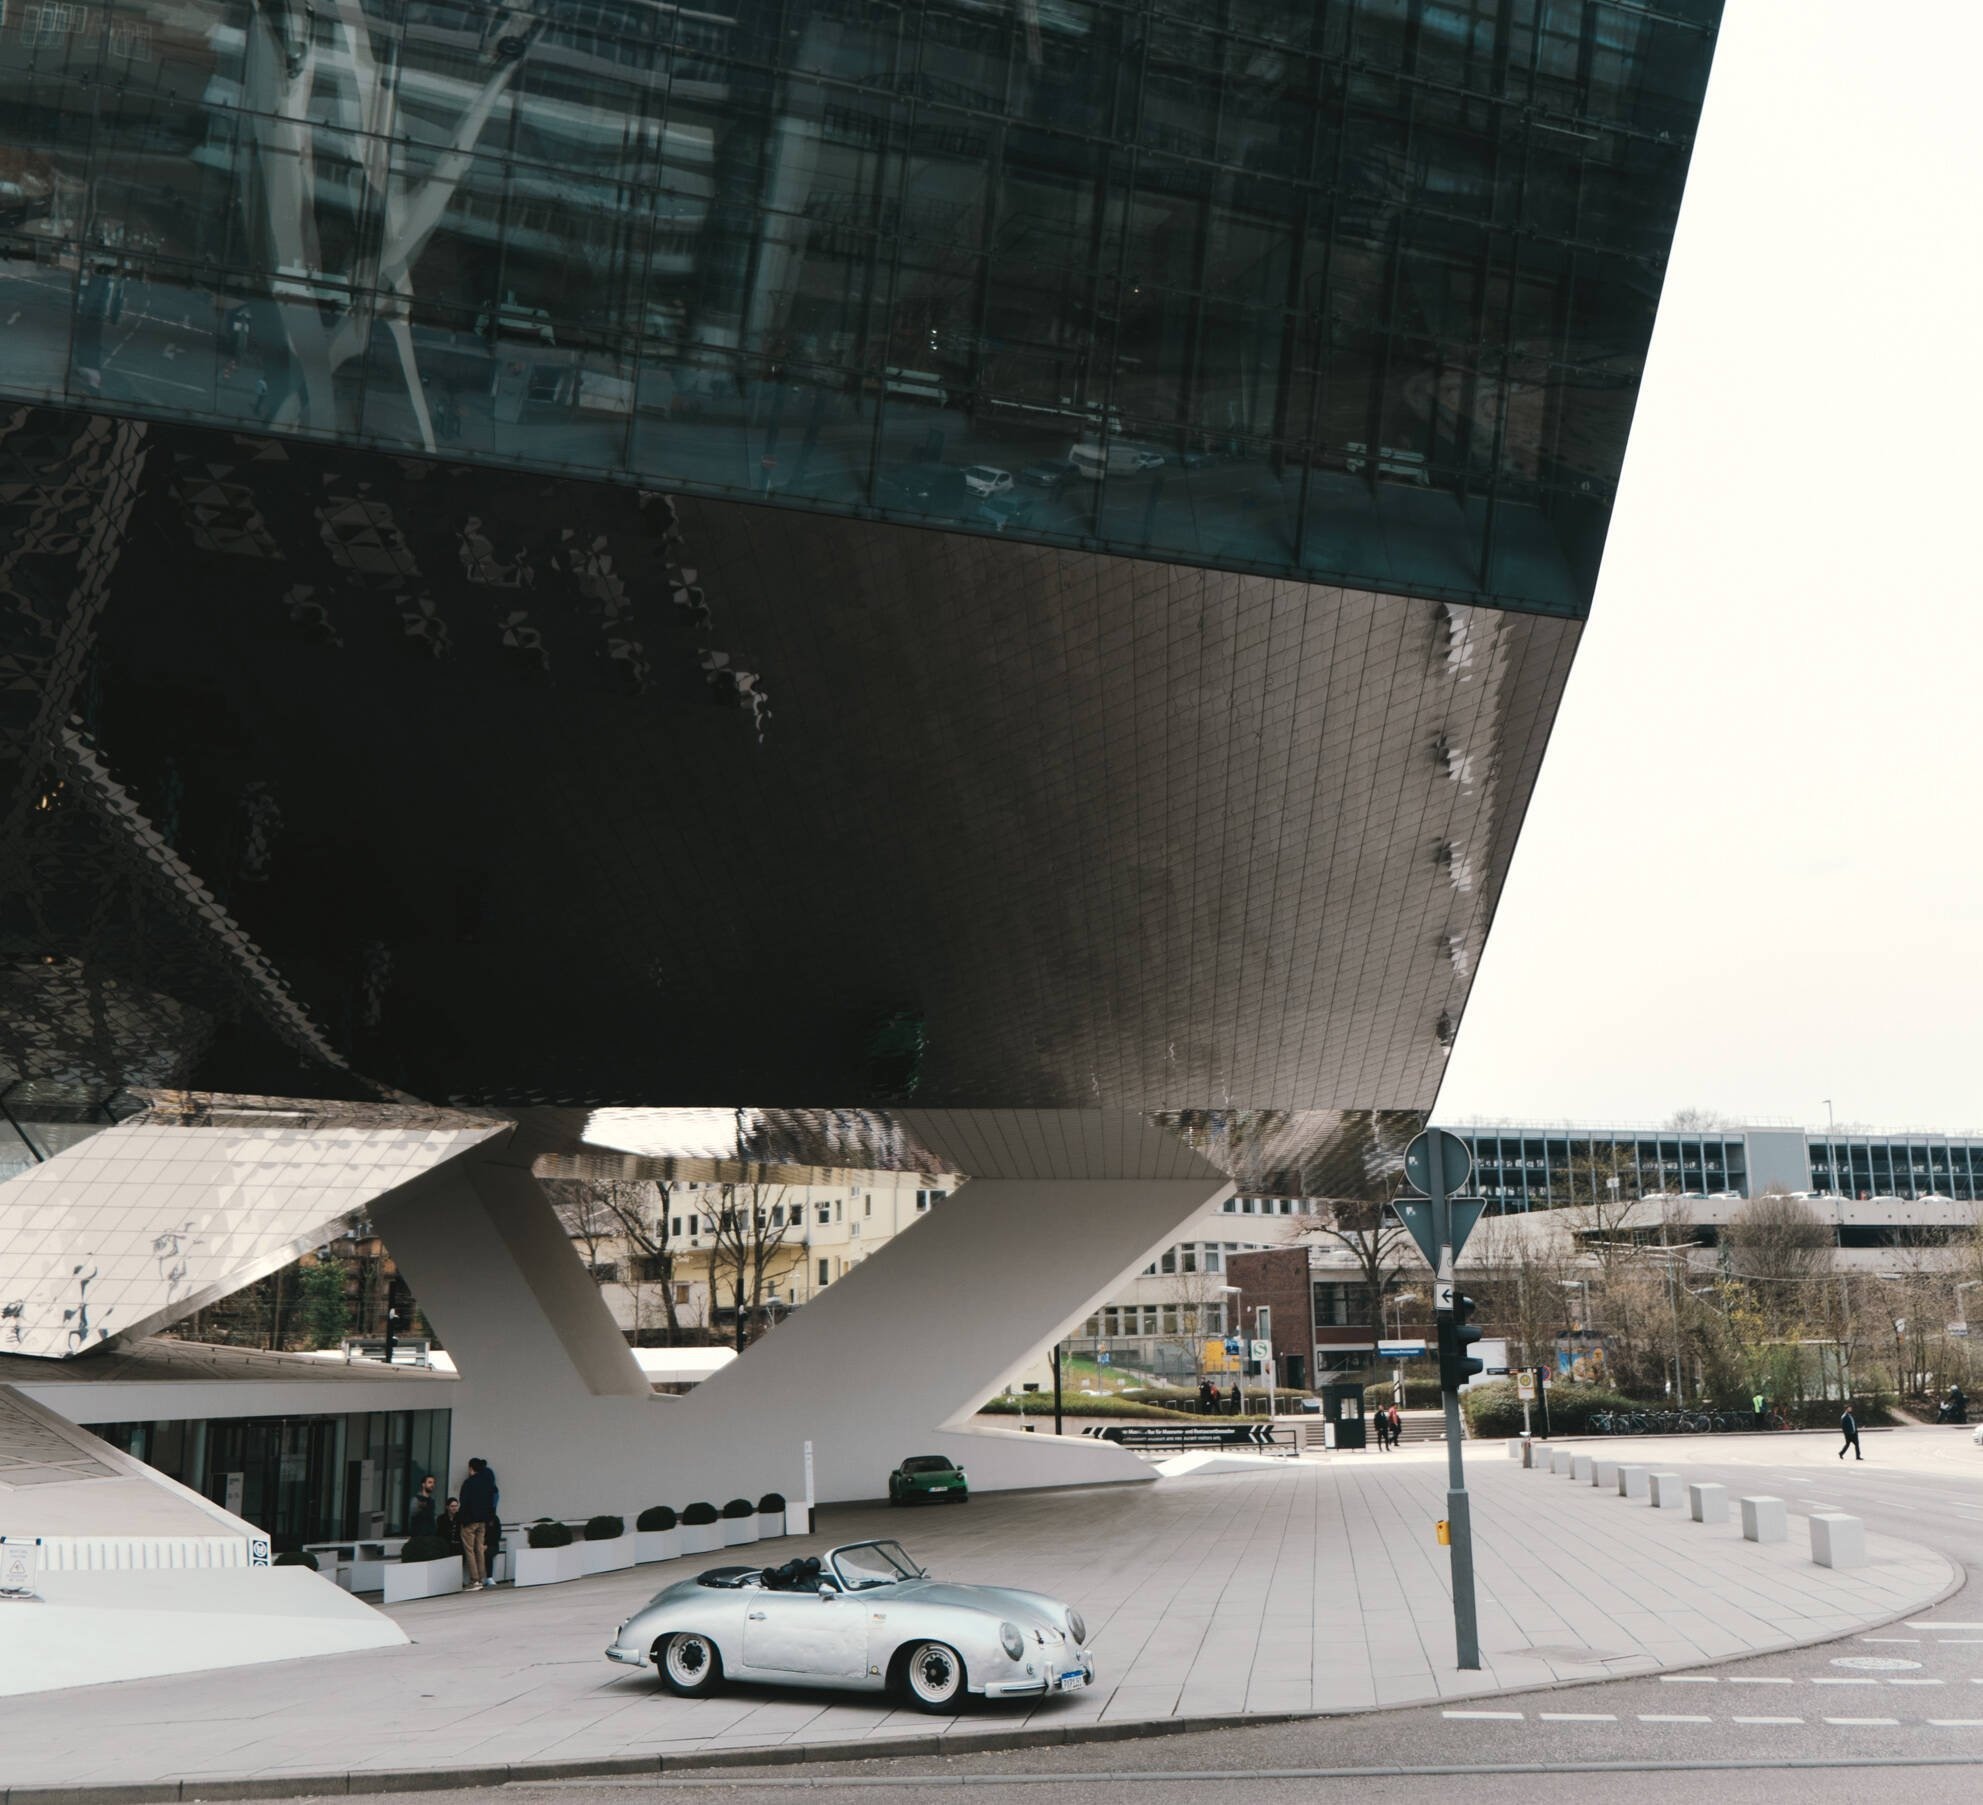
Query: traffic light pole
1459, 1520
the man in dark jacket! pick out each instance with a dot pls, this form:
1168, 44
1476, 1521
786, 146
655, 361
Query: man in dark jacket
1849, 1427
478, 1516
421, 1522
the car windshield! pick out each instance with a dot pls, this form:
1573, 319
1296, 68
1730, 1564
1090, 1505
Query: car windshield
926, 1463
865, 1564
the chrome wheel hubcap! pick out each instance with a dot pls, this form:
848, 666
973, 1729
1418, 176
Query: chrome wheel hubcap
933, 1671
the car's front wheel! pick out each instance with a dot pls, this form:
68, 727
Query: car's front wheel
933, 1677
690, 1665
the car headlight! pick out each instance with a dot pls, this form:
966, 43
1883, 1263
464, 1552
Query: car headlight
1076, 1626
1011, 1641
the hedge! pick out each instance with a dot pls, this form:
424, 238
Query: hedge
298, 1557
426, 1548
547, 1534
1493, 1409
605, 1529
699, 1515
771, 1504
1041, 1405
1420, 1394
739, 1507
655, 1516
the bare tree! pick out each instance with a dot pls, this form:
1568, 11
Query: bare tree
1778, 1245
752, 1224
588, 1219
640, 1209
1378, 1244
1518, 1267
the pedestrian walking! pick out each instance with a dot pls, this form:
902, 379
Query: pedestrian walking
478, 1515
1233, 1404
1761, 1406
1383, 1428
421, 1522
1396, 1424
1849, 1427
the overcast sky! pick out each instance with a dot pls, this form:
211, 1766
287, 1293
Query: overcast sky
1752, 874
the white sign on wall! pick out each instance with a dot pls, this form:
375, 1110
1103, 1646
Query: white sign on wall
20, 1565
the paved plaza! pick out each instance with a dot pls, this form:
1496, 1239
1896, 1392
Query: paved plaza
1310, 1587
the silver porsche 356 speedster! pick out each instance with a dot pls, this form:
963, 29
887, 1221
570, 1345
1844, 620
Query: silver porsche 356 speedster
865, 1617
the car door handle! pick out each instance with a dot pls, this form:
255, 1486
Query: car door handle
757, 1616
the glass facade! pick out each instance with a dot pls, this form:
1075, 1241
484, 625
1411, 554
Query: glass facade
301, 1478
1539, 1168
1882, 1166
1358, 290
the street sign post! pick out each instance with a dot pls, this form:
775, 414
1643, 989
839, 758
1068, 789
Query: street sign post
1437, 1164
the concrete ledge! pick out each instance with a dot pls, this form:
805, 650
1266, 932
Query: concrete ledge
1707, 1503
1668, 1491
1765, 1520
1837, 1540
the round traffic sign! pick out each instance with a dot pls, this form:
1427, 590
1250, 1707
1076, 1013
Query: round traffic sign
1456, 1160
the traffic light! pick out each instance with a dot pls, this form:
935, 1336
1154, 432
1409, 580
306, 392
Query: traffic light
1456, 1335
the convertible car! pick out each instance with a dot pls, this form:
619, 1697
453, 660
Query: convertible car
865, 1617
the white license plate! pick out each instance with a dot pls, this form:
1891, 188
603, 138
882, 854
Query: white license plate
1073, 1682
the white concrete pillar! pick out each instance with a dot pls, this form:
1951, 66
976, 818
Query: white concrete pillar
1514, 1447
1765, 1520
1837, 1540
1604, 1475
1632, 1482
1580, 1469
1666, 1491
1707, 1503
890, 1360
1563, 1463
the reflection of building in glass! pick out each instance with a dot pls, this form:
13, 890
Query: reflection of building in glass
1356, 290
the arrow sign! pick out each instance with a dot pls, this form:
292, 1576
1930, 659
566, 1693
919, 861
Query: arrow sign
1416, 1214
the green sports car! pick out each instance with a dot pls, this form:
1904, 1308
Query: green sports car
927, 1476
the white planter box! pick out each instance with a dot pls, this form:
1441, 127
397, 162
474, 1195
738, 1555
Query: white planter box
605, 1557
798, 1520
701, 1538
739, 1532
770, 1525
422, 1579
546, 1566
656, 1544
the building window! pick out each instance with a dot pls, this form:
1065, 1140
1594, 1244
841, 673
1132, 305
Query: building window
838, 1205
822, 1272
1170, 1319
1169, 1261
825, 1214
1187, 1259
929, 1199
867, 1206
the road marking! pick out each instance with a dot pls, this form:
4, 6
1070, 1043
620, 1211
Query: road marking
1578, 1717
1753, 1679
1959, 1641
1957, 1723
1944, 1626
1835, 1680
1662, 1717
1917, 1682
1862, 1720
1503, 1715
1889, 1638
1766, 1720
1689, 1679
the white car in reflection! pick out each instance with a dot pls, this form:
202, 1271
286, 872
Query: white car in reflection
987, 480
865, 1617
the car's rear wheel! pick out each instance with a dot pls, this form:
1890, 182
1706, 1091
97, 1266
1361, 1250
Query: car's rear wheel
933, 1677
689, 1663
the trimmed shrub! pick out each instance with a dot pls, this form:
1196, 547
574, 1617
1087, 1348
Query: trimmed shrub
546, 1534
740, 1507
1493, 1409
1115, 1405
605, 1529
426, 1548
298, 1557
698, 1515
655, 1516
1420, 1394
771, 1504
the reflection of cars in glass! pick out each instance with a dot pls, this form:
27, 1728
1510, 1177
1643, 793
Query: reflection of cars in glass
927, 1476
1002, 511
1049, 473
865, 1617
987, 479
927, 488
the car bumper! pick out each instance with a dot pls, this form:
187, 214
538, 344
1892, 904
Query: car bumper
627, 1657
1072, 1680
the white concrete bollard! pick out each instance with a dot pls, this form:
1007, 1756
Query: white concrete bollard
1563, 1461
1605, 1475
1765, 1520
1535, 1455
1580, 1468
1708, 1503
1514, 1447
1837, 1540
1666, 1490
1631, 1482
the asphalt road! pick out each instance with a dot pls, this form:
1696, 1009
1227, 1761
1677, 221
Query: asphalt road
1824, 1721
